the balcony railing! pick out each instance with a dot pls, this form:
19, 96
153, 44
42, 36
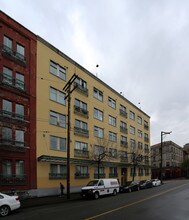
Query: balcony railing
81, 89
82, 132
146, 126
101, 175
123, 113
14, 55
111, 175
57, 175
13, 180
12, 145
124, 143
12, 117
5, 79
81, 111
81, 175
124, 159
81, 153
123, 129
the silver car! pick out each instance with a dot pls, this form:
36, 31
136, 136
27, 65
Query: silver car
156, 182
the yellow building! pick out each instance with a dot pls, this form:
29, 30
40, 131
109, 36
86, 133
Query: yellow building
102, 121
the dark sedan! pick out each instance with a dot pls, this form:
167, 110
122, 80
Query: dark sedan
133, 186
146, 184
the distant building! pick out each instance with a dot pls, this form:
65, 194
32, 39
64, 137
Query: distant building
172, 159
17, 106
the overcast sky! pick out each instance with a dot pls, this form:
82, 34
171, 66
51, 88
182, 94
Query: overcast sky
141, 47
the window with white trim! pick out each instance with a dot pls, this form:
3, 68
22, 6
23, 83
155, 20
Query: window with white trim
112, 136
57, 70
57, 119
112, 120
98, 132
132, 115
98, 114
132, 130
98, 94
111, 102
81, 145
57, 96
57, 143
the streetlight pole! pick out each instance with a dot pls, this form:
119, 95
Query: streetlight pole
161, 164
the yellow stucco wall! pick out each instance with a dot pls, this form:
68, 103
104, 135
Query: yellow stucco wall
44, 80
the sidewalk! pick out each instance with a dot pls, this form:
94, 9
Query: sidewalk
41, 201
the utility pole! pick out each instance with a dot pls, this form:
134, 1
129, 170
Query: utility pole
161, 164
67, 88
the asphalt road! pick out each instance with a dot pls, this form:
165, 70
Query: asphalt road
167, 202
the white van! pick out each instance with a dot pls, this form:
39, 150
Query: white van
99, 187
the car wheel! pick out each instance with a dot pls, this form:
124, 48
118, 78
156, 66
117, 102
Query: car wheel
115, 192
130, 190
96, 195
4, 210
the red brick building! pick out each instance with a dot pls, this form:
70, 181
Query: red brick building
17, 106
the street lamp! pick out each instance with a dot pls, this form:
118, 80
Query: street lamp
161, 164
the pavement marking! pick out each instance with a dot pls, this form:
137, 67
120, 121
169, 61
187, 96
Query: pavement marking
134, 203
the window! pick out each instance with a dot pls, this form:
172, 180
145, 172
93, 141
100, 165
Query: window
19, 137
139, 133
140, 145
112, 136
7, 44
112, 120
146, 125
146, 137
98, 132
98, 114
140, 171
57, 143
7, 168
124, 154
19, 111
20, 52
81, 146
81, 83
19, 168
123, 127
101, 170
139, 119
123, 138
7, 76
113, 170
132, 143
81, 171
99, 150
132, 115
80, 124
7, 133
7, 106
20, 81
111, 102
57, 96
58, 170
113, 152
57, 119
98, 94
132, 130
80, 104
123, 108
57, 70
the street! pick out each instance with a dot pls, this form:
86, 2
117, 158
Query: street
169, 201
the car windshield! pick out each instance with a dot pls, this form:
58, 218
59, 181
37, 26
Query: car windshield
93, 183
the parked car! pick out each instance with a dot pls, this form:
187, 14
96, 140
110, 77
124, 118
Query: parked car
146, 184
133, 186
8, 204
156, 182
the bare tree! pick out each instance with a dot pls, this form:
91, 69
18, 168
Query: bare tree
103, 150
